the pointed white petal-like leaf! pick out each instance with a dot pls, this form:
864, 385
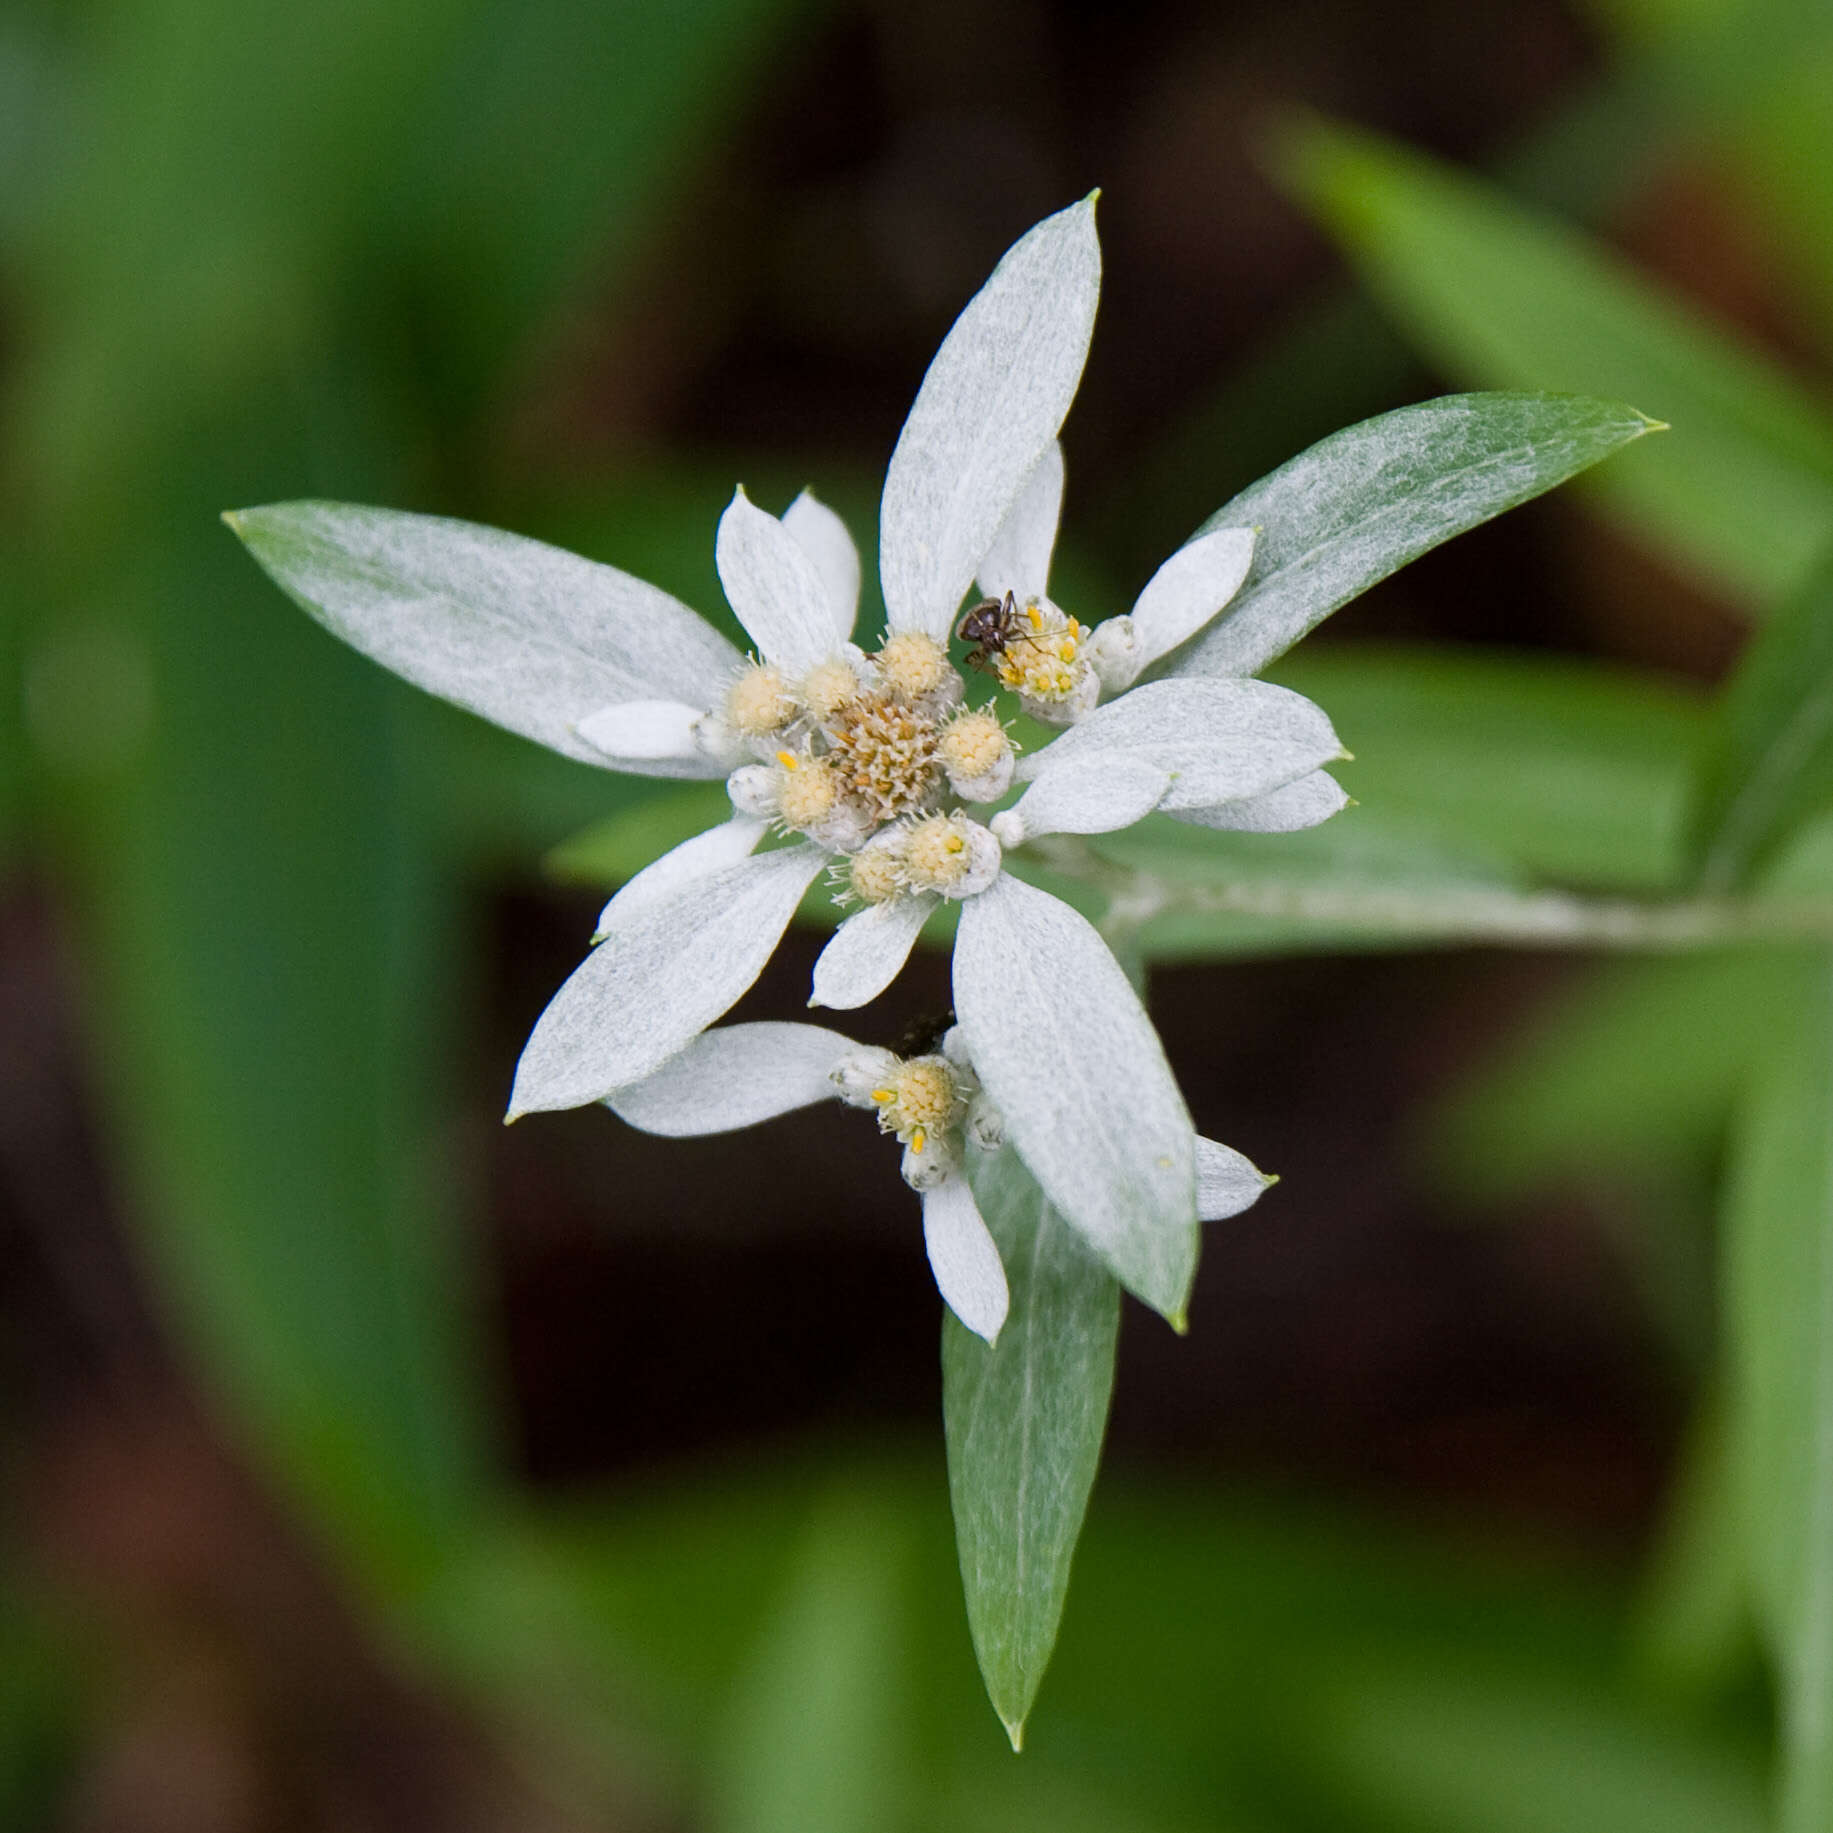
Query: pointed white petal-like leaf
1189, 589
824, 538
1019, 559
528, 635
1227, 1182
666, 969
640, 734
734, 1077
993, 399
1024, 1420
963, 1258
1064, 1048
1219, 740
1304, 802
868, 951
699, 857
774, 587
1092, 795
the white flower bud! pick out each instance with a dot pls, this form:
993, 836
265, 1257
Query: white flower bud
1114, 651
753, 791
1008, 827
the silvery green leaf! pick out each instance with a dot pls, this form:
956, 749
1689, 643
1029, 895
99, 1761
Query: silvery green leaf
1024, 1421
734, 1077
639, 734
717, 847
1068, 1055
824, 538
1190, 589
1362, 503
1219, 741
867, 952
666, 968
1227, 1182
1304, 802
1091, 795
993, 399
1019, 559
774, 587
528, 635
963, 1258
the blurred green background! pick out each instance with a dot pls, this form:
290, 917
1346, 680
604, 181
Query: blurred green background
368, 1467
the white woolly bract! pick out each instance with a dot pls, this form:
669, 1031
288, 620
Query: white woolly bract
1227, 1183
639, 732
1019, 559
1190, 589
735, 1078
666, 969
1062, 1045
773, 587
824, 538
1304, 802
525, 634
662, 879
1218, 740
867, 951
1090, 795
963, 1257
992, 401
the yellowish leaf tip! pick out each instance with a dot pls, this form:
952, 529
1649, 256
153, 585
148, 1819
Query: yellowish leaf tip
1345, 757
232, 518
1655, 426
1180, 1322
1091, 200
1015, 1730
1268, 1179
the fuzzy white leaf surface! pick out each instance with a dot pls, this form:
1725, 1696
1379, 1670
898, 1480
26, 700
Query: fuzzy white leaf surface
993, 399
1220, 741
639, 733
774, 587
868, 951
1065, 1050
1090, 795
963, 1257
824, 538
530, 636
1190, 589
1019, 559
668, 967
734, 1077
696, 857
1227, 1182
1306, 801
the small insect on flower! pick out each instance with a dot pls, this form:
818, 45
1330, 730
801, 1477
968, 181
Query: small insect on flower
989, 626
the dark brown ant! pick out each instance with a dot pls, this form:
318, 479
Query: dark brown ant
990, 626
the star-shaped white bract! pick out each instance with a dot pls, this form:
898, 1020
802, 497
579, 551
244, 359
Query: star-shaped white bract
934, 1103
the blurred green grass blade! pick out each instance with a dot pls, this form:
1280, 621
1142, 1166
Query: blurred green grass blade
1564, 770
1504, 297
1024, 1419
271, 952
1768, 764
1779, 1251
1360, 504
1505, 1753
817, 1727
1637, 1070
554, 142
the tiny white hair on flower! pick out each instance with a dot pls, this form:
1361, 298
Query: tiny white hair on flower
933, 1102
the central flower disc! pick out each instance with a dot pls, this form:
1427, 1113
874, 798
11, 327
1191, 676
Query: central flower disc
888, 755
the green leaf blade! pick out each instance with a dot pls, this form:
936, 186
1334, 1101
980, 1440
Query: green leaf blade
1769, 763
1343, 515
1024, 1422
1509, 299
1780, 1281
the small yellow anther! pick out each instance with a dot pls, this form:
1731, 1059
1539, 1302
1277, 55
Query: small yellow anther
882, 1095
916, 1140
787, 759
1035, 615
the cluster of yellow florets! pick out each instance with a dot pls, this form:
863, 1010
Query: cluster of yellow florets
1043, 659
919, 1100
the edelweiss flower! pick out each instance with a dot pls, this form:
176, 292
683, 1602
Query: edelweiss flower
934, 1104
873, 765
